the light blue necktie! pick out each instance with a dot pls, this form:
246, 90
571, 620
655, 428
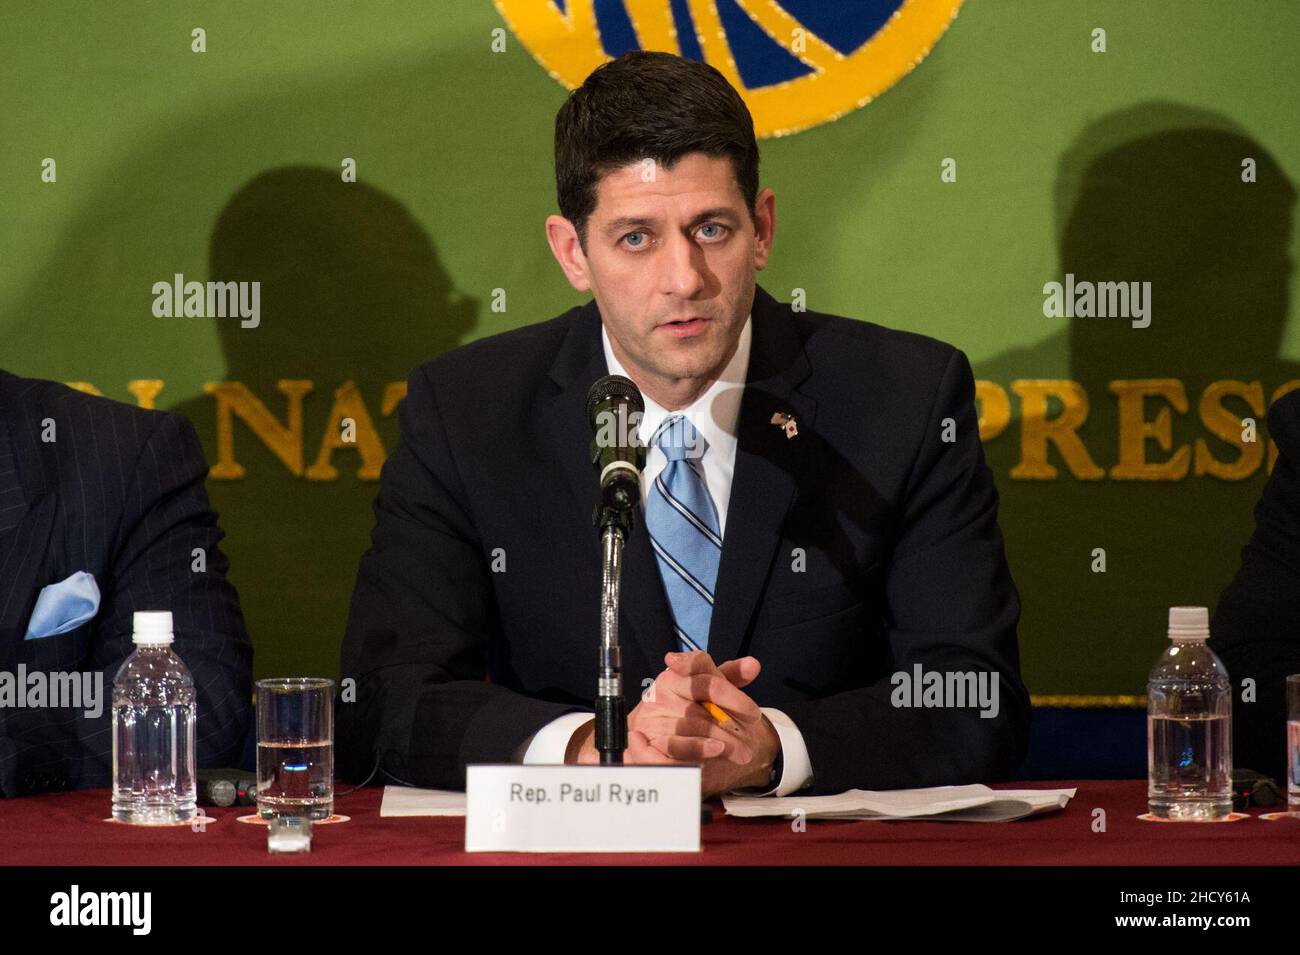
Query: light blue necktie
684, 531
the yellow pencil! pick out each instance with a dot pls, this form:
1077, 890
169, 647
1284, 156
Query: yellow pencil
718, 712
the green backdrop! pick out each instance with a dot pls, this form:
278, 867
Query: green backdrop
1117, 165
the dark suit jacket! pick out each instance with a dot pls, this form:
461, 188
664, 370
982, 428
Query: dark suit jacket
1256, 626
118, 493
903, 559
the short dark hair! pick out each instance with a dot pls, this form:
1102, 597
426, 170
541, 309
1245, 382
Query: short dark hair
648, 104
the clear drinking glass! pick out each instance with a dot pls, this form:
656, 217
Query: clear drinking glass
1293, 744
295, 747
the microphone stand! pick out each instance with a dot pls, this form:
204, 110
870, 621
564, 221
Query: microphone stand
614, 516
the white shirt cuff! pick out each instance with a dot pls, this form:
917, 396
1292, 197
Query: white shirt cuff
796, 767
550, 743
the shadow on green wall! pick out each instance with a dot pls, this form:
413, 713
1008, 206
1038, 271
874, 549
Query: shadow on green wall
351, 291
1152, 193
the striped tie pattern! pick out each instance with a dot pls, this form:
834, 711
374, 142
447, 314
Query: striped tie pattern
684, 531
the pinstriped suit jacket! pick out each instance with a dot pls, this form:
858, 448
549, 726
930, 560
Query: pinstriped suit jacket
118, 493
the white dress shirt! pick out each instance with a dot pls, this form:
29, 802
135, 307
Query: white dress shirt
714, 415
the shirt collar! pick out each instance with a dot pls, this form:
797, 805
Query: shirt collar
717, 409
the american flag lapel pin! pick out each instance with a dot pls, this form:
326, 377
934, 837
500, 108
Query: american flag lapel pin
786, 423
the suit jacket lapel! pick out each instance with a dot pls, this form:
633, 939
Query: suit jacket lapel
578, 363
767, 472
23, 548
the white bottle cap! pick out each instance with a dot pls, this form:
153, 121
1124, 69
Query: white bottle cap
153, 628
1187, 624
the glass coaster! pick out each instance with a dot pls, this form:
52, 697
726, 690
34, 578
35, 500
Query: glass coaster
1231, 817
199, 821
256, 820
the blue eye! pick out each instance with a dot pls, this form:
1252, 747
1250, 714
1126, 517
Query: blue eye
634, 245
712, 225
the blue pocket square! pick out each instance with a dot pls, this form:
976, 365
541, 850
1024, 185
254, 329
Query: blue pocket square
64, 606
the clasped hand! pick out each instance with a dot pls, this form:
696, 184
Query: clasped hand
671, 726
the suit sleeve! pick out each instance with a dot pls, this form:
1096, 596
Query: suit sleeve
169, 558
1256, 626
165, 557
951, 606
422, 621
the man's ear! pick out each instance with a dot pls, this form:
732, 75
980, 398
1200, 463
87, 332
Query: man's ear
764, 227
563, 238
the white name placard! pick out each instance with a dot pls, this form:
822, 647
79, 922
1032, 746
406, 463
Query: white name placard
517, 808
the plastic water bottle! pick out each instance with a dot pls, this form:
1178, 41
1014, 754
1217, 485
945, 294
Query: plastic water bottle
1189, 725
153, 730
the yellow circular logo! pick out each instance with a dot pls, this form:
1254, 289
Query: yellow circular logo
797, 63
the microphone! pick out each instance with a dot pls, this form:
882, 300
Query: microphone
226, 787
614, 410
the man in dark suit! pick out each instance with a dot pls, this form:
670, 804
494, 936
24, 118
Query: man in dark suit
103, 513
818, 529
1256, 626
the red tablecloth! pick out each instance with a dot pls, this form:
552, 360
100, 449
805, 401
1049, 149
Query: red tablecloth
68, 829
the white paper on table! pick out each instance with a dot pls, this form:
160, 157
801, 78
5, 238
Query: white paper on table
409, 801
938, 803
